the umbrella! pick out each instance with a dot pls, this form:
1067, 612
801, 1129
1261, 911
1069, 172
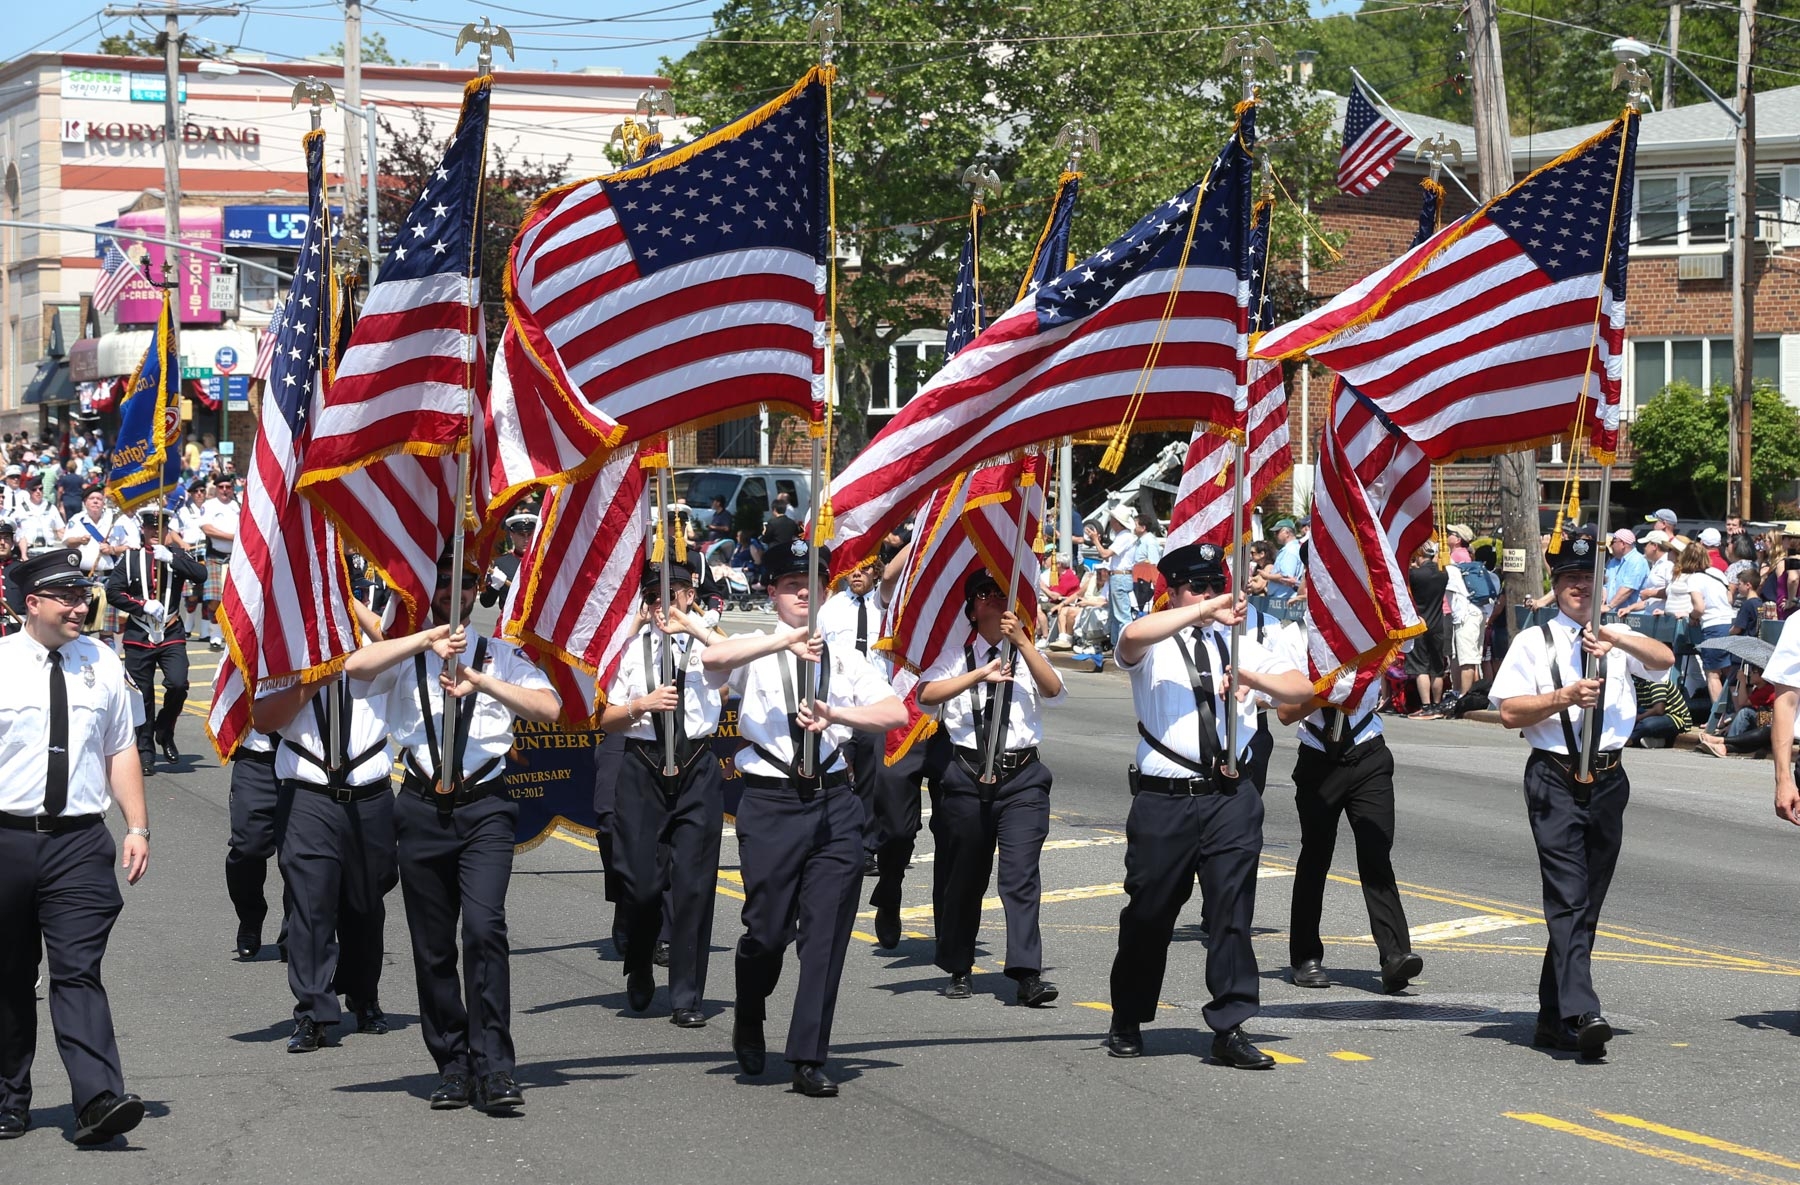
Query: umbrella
1752, 650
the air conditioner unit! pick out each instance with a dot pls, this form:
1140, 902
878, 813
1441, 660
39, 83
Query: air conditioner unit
1768, 230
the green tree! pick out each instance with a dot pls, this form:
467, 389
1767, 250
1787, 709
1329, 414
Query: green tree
408, 157
1679, 446
1556, 75
130, 45
927, 90
375, 51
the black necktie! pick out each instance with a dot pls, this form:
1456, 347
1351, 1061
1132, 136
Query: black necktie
56, 775
862, 626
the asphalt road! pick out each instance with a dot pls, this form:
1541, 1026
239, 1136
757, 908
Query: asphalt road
1695, 963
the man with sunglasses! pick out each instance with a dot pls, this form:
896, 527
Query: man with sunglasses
970, 817
800, 834
67, 753
1188, 813
456, 832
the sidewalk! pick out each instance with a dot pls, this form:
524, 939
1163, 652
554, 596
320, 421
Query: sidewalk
1682, 740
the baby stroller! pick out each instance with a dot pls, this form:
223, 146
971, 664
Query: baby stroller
733, 584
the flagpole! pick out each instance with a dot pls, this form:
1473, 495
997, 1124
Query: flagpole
995, 733
1247, 49
1389, 107
485, 36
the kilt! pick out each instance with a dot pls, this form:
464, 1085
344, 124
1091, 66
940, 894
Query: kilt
215, 577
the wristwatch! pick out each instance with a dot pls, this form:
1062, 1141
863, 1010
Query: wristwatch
142, 832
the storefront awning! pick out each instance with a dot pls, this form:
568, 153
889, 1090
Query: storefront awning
119, 353
51, 383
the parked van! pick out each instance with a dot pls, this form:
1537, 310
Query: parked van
748, 493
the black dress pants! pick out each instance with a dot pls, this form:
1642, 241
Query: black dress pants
455, 866
609, 759
967, 831
142, 663
259, 815
898, 804
801, 855
59, 897
339, 860
1364, 792
667, 848
1578, 849
1168, 839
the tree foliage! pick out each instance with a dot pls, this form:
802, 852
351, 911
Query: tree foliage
375, 51
928, 89
1680, 440
130, 44
1557, 76
408, 157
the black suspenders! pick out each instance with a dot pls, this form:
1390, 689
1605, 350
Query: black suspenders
465, 712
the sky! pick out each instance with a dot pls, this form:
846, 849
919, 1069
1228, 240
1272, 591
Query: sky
548, 34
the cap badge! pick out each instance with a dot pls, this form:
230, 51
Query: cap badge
74, 559
1208, 552
1581, 547
797, 547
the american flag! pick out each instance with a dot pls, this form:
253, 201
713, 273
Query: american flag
1203, 501
966, 524
284, 610
265, 347
116, 272
691, 286
382, 459
1371, 142
1372, 508
966, 317
574, 600
1504, 329
1051, 258
1147, 330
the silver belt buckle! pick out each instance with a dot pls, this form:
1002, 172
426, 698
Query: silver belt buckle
344, 796
43, 824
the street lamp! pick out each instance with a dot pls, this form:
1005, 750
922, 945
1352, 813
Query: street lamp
1627, 49
215, 68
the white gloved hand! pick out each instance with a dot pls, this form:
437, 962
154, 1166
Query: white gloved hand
496, 579
156, 611
162, 554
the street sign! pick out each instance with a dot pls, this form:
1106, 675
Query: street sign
196, 372
221, 293
226, 360
232, 389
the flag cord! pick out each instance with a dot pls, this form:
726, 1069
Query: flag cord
823, 519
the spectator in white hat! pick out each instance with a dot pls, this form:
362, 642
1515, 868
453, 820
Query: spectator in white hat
1626, 571
1654, 594
1711, 540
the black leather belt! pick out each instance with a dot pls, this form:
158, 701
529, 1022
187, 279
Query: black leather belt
825, 781
256, 756
1604, 762
1351, 756
1007, 763
1195, 787
652, 753
427, 790
342, 795
47, 824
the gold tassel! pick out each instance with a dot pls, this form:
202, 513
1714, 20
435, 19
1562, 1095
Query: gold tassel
1556, 535
1115, 451
656, 547
1575, 502
815, 429
680, 544
825, 524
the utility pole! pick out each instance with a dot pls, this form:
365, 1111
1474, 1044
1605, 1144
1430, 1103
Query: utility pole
1674, 52
1743, 312
1519, 495
353, 135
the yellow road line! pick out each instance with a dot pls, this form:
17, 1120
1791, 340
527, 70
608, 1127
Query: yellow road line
1481, 923
1686, 1160
1284, 1059
1053, 845
1676, 1133
1350, 1055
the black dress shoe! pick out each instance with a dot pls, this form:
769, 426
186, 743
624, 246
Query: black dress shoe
688, 1018
810, 1080
452, 1093
958, 988
108, 1115
1549, 1034
1310, 973
887, 925
1124, 1039
1235, 1050
1592, 1032
249, 945
308, 1036
870, 867
498, 1092
640, 989
13, 1122
747, 1044
1035, 992
169, 751
369, 1016
1400, 970
659, 954
149, 764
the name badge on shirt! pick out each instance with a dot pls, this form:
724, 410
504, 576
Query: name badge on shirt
87, 674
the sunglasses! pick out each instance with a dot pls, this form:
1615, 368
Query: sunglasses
1206, 588
66, 596
990, 594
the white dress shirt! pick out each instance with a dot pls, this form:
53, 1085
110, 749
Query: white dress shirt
109, 528
1526, 671
838, 619
763, 712
490, 724
256, 742
1784, 664
224, 515
1165, 699
367, 724
1024, 719
700, 698
1292, 644
100, 722
187, 520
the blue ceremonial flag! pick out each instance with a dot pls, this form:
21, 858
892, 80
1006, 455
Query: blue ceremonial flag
1431, 209
1052, 256
145, 462
965, 303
